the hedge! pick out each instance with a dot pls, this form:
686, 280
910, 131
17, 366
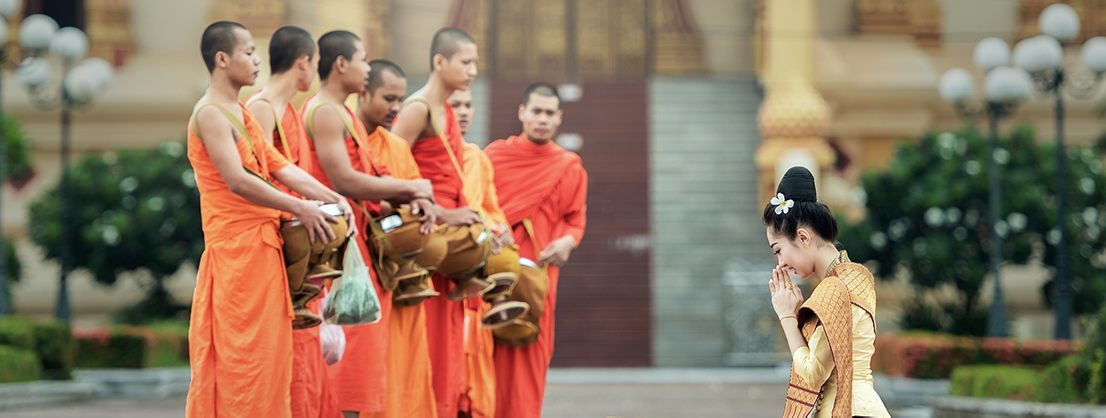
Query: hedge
132, 348
934, 356
996, 381
18, 332
1070, 380
110, 348
56, 348
18, 365
51, 341
1067, 380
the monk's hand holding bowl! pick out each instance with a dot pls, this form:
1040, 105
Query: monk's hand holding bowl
503, 236
430, 214
459, 217
315, 220
786, 297
557, 252
347, 212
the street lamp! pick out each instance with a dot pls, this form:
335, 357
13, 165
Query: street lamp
1043, 57
1003, 89
78, 85
7, 8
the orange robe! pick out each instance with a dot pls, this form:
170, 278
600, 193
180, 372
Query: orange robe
297, 151
410, 390
359, 380
548, 185
445, 318
310, 390
479, 348
240, 334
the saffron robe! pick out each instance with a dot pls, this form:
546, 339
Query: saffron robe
240, 334
479, 342
548, 185
410, 382
311, 397
359, 380
444, 318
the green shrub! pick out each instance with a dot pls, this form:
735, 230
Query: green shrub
1066, 381
175, 336
56, 349
993, 381
18, 365
134, 347
111, 348
18, 332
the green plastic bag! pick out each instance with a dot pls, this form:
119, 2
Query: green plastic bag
352, 299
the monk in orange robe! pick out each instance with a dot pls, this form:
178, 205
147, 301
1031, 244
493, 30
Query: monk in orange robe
428, 126
410, 390
240, 334
343, 159
293, 63
540, 181
481, 193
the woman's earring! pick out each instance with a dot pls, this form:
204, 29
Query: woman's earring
806, 245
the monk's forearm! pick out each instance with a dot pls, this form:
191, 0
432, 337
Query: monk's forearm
262, 194
301, 182
361, 186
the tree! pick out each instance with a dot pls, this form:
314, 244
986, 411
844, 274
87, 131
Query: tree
133, 210
17, 152
17, 169
928, 218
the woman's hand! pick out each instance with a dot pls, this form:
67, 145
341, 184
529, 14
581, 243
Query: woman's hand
786, 297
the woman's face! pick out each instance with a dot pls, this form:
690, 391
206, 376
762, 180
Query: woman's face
793, 254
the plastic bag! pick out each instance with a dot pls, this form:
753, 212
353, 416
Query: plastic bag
353, 299
332, 339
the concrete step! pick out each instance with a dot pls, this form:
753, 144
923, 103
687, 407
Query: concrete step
137, 383
45, 393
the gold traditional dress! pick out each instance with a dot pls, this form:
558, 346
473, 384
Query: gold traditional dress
832, 375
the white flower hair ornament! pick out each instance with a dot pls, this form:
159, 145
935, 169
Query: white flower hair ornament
783, 205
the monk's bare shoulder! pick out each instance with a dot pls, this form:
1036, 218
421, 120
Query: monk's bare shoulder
262, 111
328, 123
412, 122
211, 124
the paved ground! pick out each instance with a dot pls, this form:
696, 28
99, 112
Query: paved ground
570, 394
564, 400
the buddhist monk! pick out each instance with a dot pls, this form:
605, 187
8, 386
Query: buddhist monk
337, 136
410, 391
240, 334
480, 190
453, 58
539, 181
293, 64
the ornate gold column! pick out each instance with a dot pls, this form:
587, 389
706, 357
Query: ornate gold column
793, 120
378, 29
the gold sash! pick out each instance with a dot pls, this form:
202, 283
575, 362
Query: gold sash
846, 284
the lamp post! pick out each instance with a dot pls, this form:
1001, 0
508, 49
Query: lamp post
1004, 88
7, 8
1043, 57
78, 85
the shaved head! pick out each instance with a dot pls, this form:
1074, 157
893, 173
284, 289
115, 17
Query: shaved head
541, 89
447, 41
334, 44
287, 45
218, 37
379, 67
